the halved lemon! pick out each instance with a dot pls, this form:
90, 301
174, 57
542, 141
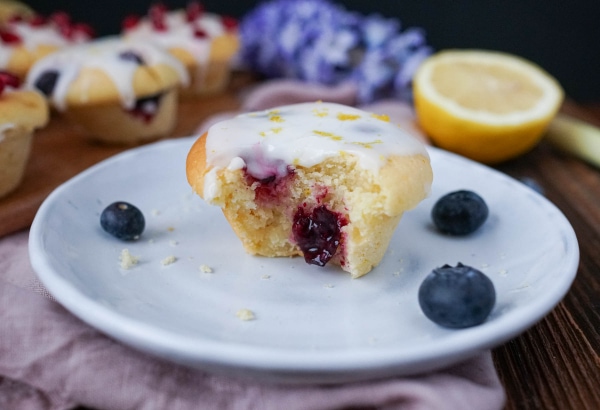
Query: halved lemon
488, 106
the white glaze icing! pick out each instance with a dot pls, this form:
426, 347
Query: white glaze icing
46, 34
303, 134
34, 36
179, 33
5, 55
102, 54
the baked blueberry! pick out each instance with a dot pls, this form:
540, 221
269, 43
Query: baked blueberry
318, 234
457, 297
46, 82
132, 56
123, 221
145, 108
459, 212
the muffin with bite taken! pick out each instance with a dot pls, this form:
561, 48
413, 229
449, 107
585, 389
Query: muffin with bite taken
119, 91
204, 42
324, 181
21, 113
26, 39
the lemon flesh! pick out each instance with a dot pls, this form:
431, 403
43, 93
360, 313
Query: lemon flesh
485, 105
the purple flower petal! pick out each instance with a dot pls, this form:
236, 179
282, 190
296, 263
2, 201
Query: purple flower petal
320, 42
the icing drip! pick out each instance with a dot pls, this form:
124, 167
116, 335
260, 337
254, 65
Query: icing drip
260, 166
193, 36
35, 36
304, 135
29, 35
4, 128
104, 54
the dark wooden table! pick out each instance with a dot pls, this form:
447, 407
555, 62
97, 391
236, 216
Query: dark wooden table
554, 365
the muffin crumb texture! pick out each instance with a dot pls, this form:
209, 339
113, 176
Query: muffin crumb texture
169, 260
128, 261
245, 315
205, 269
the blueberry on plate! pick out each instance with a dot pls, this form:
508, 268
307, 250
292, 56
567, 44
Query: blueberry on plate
459, 213
457, 297
123, 220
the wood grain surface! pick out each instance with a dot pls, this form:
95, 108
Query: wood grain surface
555, 365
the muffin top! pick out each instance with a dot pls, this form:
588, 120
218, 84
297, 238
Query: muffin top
192, 35
106, 71
306, 134
20, 108
268, 145
23, 40
11, 8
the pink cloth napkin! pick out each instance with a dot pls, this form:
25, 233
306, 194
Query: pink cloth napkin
50, 360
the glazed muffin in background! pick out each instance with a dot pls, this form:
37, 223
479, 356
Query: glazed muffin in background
204, 42
26, 39
324, 181
21, 113
119, 91
10, 9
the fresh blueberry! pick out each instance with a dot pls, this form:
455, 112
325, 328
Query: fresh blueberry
123, 220
457, 297
459, 213
46, 82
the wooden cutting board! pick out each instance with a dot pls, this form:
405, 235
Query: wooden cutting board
60, 151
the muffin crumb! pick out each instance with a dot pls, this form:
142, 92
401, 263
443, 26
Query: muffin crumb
168, 260
205, 269
128, 261
245, 314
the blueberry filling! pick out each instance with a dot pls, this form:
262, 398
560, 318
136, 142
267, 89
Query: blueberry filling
318, 233
132, 56
146, 108
270, 188
267, 180
46, 82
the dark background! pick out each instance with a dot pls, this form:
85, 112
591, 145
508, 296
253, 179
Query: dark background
561, 36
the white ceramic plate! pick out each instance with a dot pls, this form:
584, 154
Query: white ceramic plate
312, 324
